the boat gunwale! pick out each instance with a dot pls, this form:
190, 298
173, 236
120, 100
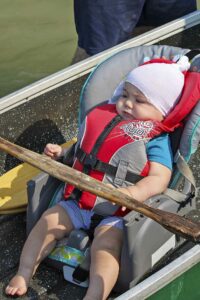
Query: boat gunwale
164, 276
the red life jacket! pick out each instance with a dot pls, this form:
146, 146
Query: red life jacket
116, 149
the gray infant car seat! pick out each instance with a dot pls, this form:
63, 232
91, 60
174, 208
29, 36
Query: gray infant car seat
145, 241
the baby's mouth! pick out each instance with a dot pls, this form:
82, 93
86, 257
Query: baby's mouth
127, 115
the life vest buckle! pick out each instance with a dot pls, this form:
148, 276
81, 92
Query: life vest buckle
90, 161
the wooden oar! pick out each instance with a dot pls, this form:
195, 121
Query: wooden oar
175, 223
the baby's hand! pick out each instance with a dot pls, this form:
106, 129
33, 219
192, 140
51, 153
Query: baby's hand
54, 151
123, 190
126, 192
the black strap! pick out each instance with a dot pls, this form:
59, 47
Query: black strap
95, 220
80, 275
192, 53
98, 165
81, 272
105, 133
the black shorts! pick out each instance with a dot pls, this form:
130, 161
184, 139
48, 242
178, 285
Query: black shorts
101, 24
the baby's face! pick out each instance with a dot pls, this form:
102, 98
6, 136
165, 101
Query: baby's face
134, 105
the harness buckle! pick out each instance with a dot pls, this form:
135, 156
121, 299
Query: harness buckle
90, 161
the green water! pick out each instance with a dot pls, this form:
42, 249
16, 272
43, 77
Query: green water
37, 38
185, 287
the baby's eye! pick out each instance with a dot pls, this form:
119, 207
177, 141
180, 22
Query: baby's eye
124, 95
139, 100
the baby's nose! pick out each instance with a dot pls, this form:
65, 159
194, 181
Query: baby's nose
129, 103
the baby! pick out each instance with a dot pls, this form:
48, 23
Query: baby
127, 141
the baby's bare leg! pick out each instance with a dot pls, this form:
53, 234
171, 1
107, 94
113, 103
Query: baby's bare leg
52, 226
105, 256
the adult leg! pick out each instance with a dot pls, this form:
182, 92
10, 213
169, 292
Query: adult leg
159, 12
101, 24
52, 226
105, 257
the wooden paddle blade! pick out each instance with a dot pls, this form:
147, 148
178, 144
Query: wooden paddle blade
175, 223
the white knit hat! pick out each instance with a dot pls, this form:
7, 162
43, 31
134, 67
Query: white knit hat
161, 83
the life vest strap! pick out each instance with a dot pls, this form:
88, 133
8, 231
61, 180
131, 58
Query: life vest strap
192, 53
91, 162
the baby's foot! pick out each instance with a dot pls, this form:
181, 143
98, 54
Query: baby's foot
17, 286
